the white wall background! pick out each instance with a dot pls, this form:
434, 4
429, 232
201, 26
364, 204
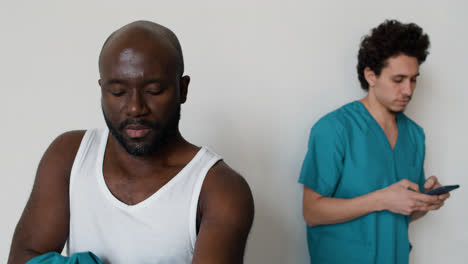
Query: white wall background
262, 73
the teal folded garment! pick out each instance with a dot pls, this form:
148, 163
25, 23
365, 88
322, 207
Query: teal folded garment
56, 258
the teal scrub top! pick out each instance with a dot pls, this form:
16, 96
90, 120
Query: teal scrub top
348, 156
56, 258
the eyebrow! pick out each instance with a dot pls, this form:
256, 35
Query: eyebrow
113, 81
120, 81
155, 80
404, 76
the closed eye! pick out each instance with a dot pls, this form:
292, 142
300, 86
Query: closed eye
154, 88
116, 89
117, 93
152, 92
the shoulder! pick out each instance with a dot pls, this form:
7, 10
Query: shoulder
226, 196
333, 125
58, 158
339, 118
223, 176
66, 144
71, 138
411, 123
414, 129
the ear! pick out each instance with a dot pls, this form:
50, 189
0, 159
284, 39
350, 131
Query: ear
370, 76
184, 83
100, 82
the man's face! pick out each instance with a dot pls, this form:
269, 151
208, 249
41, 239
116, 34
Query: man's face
140, 96
395, 85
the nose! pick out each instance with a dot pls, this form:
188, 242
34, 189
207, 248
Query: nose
407, 88
136, 105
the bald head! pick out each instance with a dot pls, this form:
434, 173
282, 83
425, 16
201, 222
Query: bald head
144, 34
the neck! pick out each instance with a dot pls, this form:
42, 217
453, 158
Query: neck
379, 112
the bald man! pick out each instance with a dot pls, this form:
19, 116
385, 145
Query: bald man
136, 191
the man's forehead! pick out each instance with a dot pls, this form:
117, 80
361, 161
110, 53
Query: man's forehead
132, 63
145, 44
137, 53
403, 65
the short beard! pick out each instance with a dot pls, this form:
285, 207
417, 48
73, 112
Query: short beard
396, 112
162, 134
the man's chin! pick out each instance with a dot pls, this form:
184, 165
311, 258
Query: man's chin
137, 146
397, 110
140, 147
145, 146
140, 150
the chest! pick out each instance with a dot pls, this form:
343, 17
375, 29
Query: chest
391, 133
371, 163
133, 188
129, 231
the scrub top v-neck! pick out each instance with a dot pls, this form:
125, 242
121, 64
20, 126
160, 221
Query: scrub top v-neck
349, 155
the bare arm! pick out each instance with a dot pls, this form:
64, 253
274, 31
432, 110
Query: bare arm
322, 210
43, 226
227, 210
397, 198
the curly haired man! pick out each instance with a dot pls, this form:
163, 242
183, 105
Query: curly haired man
363, 173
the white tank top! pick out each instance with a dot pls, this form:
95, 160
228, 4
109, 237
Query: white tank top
160, 229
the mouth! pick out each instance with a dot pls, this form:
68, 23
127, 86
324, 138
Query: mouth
403, 102
135, 131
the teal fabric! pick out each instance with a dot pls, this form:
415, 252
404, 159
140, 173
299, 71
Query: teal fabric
56, 258
348, 156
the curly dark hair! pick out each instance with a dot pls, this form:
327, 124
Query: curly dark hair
391, 38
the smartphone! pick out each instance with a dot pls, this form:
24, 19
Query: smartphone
443, 189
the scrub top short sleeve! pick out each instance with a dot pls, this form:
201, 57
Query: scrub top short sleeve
323, 163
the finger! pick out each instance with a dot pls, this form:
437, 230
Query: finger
425, 197
422, 207
443, 197
435, 206
429, 206
410, 185
435, 186
438, 202
419, 206
430, 182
